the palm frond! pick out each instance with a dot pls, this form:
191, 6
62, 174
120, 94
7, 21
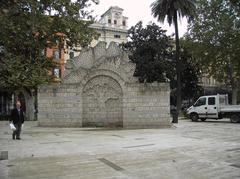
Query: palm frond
165, 9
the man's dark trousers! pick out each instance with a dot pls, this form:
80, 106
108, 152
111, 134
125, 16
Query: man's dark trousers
16, 133
17, 118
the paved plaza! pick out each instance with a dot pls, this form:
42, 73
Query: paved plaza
187, 150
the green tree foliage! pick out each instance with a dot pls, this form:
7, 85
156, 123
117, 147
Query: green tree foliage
214, 39
28, 27
189, 75
236, 4
172, 10
152, 51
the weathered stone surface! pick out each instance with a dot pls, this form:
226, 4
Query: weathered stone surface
189, 150
99, 89
102, 102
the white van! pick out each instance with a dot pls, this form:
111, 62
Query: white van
214, 107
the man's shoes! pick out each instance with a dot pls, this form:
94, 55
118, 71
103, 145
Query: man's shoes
18, 138
13, 137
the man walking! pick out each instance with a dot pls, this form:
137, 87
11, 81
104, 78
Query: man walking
17, 118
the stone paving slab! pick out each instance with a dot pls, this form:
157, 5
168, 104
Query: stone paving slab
188, 150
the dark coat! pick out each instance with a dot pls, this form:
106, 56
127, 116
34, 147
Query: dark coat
16, 118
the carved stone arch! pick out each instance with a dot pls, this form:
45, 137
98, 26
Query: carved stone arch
104, 72
102, 102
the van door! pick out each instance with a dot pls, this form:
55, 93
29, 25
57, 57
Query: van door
212, 108
201, 107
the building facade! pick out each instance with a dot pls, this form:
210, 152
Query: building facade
6, 103
112, 27
211, 86
58, 56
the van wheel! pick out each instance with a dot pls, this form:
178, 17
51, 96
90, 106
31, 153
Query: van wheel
203, 119
234, 118
194, 117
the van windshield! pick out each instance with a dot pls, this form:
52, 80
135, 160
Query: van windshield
200, 102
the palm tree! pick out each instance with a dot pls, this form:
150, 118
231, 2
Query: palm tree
172, 9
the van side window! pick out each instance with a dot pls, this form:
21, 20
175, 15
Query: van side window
200, 102
211, 101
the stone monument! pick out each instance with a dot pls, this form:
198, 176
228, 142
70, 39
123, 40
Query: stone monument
98, 89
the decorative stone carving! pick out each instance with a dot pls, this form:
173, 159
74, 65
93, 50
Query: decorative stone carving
114, 50
102, 102
97, 58
99, 89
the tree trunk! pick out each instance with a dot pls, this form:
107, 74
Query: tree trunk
233, 82
178, 66
16, 98
29, 101
234, 95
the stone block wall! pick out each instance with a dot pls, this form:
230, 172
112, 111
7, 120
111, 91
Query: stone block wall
146, 106
59, 106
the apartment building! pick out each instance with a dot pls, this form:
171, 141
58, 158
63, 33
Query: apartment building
58, 57
211, 86
112, 27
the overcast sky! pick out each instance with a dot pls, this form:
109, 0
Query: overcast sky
136, 10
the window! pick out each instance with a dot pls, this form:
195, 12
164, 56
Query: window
57, 72
115, 22
71, 54
43, 52
211, 101
207, 81
200, 102
117, 36
56, 54
57, 42
109, 21
124, 23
